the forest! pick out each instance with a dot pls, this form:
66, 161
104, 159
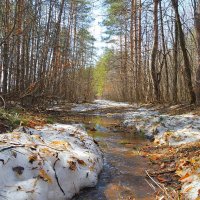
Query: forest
99, 99
48, 52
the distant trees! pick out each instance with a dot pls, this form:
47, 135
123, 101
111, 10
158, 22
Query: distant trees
100, 74
154, 52
46, 50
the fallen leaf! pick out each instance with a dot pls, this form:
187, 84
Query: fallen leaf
37, 137
19, 188
33, 124
60, 144
45, 176
184, 177
72, 165
155, 156
16, 136
82, 138
19, 170
186, 163
179, 172
92, 167
32, 158
46, 151
162, 166
81, 162
163, 179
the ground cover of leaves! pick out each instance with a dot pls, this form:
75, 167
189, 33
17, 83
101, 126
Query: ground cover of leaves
174, 166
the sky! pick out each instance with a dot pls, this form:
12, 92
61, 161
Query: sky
96, 29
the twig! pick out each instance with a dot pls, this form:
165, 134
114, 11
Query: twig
45, 145
11, 147
4, 103
54, 165
151, 185
159, 185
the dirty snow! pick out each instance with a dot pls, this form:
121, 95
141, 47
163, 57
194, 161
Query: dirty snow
98, 104
191, 182
166, 129
47, 163
193, 188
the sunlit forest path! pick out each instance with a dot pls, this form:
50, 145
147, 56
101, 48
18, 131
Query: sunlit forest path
99, 99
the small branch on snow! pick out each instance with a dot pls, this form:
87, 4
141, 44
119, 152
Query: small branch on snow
56, 177
11, 147
24, 145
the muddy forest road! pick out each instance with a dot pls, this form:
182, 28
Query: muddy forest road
123, 176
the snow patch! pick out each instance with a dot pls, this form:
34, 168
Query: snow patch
47, 163
166, 129
99, 104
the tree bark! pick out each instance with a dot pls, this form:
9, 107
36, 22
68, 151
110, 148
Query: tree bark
164, 50
197, 27
6, 49
175, 57
154, 53
184, 51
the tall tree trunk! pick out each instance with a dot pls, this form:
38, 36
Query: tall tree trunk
19, 38
175, 57
56, 51
154, 52
132, 74
197, 27
164, 51
140, 51
6, 49
136, 50
184, 51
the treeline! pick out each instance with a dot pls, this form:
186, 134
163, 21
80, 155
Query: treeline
156, 50
46, 50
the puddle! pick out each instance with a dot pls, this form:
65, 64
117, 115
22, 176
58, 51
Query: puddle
123, 176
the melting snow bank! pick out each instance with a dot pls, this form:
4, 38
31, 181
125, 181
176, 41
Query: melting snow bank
172, 130
49, 163
99, 104
166, 129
